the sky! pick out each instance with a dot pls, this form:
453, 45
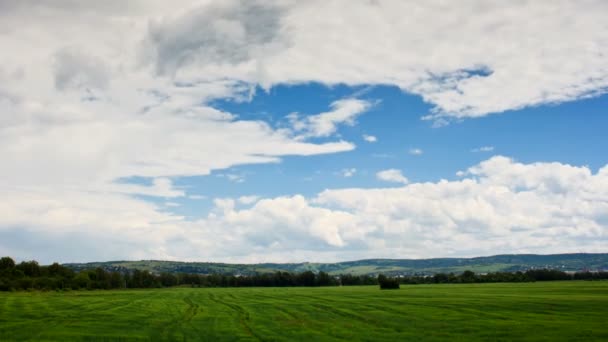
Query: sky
291, 131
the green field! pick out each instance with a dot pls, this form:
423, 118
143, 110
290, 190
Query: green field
535, 311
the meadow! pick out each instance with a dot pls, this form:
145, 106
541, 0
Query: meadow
568, 310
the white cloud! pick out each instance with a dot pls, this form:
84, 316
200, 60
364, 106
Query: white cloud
491, 68
86, 125
501, 206
370, 138
93, 93
553, 64
247, 200
504, 206
227, 33
483, 149
76, 69
322, 125
284, 223
415, 151
160, 187
233, 177
348, 172
392, 175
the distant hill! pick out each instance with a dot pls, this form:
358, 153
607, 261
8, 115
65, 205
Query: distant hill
504, 263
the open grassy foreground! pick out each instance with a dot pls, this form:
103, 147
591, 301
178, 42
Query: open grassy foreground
533, 311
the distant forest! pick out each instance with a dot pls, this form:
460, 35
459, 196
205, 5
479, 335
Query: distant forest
29, 275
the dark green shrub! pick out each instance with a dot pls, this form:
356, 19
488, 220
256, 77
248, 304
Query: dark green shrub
387, 283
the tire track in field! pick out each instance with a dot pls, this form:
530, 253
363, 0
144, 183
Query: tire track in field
341, 313
315, 302
242, 314
191, 311
262, 299
329, 307
174, 324
286, 301
47, 322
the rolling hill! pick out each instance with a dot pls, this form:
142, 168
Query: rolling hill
504, 263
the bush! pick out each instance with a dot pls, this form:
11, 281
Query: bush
387, 283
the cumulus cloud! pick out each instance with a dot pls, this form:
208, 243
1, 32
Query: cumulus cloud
248, 199
87, 129
501, 206
222, 33
284, 223
80, 113
392, 175
490, 69
75, 69
403, 43
95, 93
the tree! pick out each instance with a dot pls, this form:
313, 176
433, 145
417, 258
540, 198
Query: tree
306, 278
54, 269
116, 280
440, 278
387, 283
7, 264
323, 279
468, 277
29, 268
82, 280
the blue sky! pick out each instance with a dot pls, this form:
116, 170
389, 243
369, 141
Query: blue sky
274, 131
570, 133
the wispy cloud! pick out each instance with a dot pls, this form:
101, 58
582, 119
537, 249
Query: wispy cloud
343, 112
370, 138
415, 151
483, 149
347, 172
233, 177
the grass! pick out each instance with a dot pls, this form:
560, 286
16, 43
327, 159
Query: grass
372, 269
553, 311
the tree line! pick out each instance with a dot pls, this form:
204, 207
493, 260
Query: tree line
503, 277
30, 275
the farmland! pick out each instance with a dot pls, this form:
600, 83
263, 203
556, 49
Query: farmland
570, 310
496, 263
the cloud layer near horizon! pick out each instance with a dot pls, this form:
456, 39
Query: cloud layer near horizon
499, 206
